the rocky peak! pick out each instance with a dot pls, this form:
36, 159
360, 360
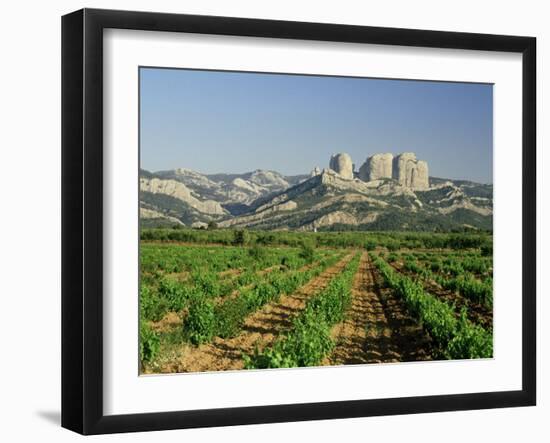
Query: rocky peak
403, 168
410, 172
269, 179
341, 163
316, 171
377, 166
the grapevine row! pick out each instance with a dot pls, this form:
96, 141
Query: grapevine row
465, 284
207, 320
309, 340
457, 338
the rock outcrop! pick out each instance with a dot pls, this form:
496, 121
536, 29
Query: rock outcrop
229, 188
342, 164
178, 190
269, 179
410, 172
145, 213
377, 166
316, 171
420, 179
403, 168
335, 218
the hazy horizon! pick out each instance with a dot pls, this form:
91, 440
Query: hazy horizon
216, 122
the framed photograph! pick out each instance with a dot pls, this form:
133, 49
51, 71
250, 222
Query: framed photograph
268, 221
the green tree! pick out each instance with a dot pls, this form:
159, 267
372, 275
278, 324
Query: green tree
307, 251
241, 237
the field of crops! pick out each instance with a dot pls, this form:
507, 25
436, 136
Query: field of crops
227, 300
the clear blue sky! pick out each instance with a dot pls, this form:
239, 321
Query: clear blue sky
229, 122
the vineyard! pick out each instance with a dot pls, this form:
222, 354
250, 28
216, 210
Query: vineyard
226, 300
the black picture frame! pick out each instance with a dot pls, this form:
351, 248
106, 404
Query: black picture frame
82, 218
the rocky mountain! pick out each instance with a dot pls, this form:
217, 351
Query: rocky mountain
195, 198
231, 188
181, 192
330, 202
387, 193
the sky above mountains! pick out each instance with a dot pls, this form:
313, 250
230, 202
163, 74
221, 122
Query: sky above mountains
212, 122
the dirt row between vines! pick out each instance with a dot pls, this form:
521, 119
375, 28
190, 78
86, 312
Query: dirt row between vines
377, 328
476, 312
260, 329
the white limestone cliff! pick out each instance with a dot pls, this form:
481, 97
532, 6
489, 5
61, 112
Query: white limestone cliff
341, 163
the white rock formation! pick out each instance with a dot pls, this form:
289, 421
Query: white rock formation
248, 186
286, 206
342, 164
410, 172
333, 218
420, 176
269, 179
377, 166
465, 204
221, 188
316, 171
403, 165
178, 190
151, 213
271, 211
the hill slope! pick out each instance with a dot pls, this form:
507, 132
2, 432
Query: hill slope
327, 201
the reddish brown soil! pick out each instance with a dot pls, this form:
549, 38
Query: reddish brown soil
270, 269
180, 277
169, 322
259, 330
377, 328
476, 313
230, 273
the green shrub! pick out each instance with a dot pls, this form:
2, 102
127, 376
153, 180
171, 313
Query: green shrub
149, 343
151, 307
392, 245
487, 249
472, 341
393, 257
308, 343
307, 251
290, 262
470, 287
241, 237
229, 316
200, 323
172, 294
258, 253
370, 245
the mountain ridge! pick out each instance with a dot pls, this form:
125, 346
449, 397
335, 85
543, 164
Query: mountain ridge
323, 200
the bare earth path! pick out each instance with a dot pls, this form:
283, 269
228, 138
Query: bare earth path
377, 327
260, 329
